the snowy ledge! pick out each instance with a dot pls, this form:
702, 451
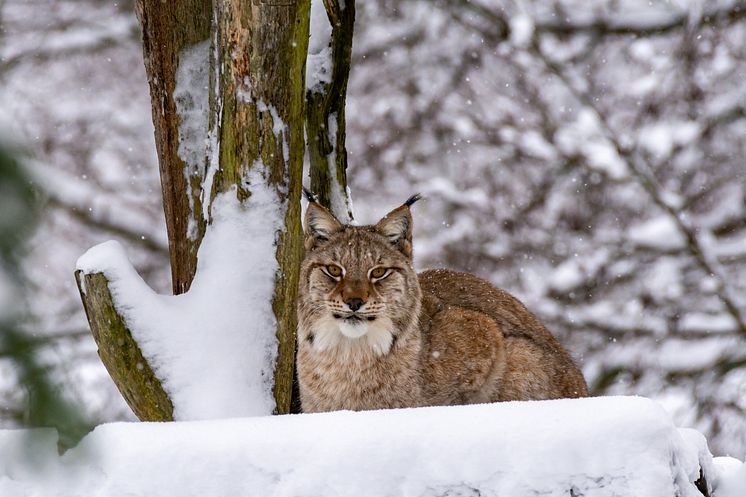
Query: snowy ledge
614, 446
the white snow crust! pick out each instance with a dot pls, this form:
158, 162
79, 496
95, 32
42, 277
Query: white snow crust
279, 128
340, 199
213, 136
319, 58
613, 446
214, 347
192, 106
730, 480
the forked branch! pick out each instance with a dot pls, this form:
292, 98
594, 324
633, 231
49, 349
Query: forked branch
325, 115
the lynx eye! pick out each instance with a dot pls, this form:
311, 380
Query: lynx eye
333, 271
379, 272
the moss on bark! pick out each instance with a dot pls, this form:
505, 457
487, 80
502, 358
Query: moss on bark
119, 352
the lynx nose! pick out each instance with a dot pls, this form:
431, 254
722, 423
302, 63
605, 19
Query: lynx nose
354, 304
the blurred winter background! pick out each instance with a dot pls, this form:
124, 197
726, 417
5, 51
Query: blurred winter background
587, 156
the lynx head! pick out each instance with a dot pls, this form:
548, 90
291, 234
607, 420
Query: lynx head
357, 286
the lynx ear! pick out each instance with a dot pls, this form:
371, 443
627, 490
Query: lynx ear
320, 224
397, 226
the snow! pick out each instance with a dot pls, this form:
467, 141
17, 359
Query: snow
88, 101
567, 276
660, 233
521, 30
730, 207
319, 59
660, 139
279, 128
585, 137
730, 477
707, 323
620, 446
213, 136
192, 106
731, 247
113, 31
340, 199
664, 279
573, 272
686, 355
214, 347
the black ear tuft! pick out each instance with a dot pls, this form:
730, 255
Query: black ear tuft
397, 226
320, 224
310, 196
411, 200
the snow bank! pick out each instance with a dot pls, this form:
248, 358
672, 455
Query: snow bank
614, 446
214, 348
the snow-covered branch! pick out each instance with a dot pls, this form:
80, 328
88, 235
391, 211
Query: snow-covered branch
70, 45
327, 73
643, 25
96, 209
697, 243
503, 24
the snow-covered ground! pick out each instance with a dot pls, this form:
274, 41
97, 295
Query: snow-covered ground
613, 446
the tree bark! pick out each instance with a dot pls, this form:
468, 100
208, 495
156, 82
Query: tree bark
702, 485
325, 117
256, 117
119, 352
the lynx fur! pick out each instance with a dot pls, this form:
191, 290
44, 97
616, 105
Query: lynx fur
374, 334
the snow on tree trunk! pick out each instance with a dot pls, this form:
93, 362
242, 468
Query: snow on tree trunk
327, 73
257, 97
231, 168
173, 33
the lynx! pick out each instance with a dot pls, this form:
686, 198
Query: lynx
374, 334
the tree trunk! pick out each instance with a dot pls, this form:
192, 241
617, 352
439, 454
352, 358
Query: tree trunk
256, 66
257, 99
325, 116
169, 29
